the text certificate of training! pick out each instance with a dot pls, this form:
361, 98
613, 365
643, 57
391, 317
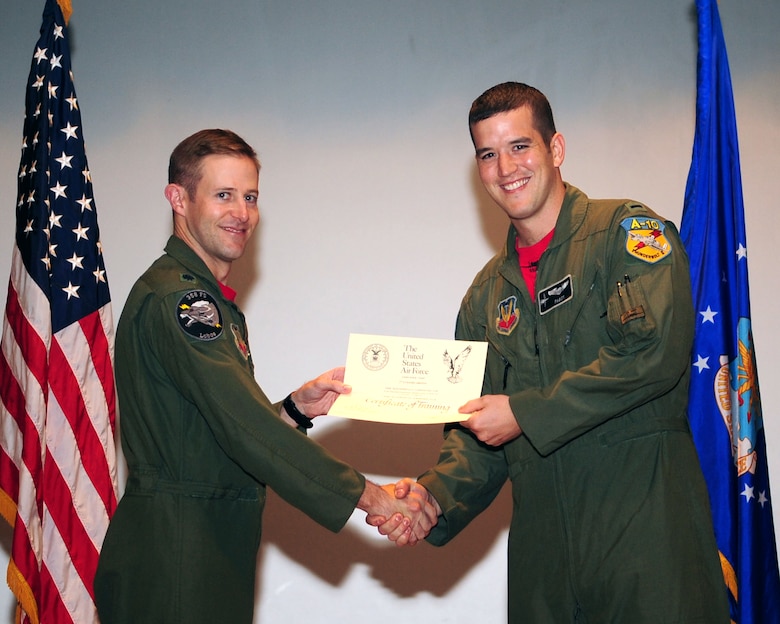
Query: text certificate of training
410, 380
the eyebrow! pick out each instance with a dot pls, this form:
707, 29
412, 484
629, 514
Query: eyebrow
233, 189
517, 141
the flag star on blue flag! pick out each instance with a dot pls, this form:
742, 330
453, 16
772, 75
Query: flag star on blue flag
708, 315
69, 131
85, 203
72, 290
59, 190
81, 233
64, 161
76, 262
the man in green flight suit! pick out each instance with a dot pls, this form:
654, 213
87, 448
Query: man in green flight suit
200, 437
588, 315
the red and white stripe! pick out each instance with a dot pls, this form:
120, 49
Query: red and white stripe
57, 452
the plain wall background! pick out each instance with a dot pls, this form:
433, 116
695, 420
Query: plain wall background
373, 219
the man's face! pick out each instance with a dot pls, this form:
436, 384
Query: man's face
518, 169
219, 220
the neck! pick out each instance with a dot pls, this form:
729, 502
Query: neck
529, 234
531, 230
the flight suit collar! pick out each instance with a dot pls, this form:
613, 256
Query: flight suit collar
183, 253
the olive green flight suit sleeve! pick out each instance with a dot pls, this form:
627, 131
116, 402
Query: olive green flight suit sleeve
211, 377
469, 474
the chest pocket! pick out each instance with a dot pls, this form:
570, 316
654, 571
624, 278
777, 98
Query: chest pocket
629, 315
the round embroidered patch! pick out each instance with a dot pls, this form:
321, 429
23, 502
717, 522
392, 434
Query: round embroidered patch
199, 315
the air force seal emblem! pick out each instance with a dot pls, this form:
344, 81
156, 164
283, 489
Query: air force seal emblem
199, 316
645, 238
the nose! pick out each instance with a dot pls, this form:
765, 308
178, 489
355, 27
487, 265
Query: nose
506, 164
241, 210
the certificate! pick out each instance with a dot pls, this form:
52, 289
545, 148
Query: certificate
410, 380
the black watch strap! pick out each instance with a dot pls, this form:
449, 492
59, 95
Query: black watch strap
301, 419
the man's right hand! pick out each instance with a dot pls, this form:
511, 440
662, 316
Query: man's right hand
418, 501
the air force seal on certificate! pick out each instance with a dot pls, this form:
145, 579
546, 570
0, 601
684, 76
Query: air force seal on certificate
645, 238
375, 356
199, 315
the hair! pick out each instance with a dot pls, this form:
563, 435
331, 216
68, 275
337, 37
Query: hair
184, 167
509, 96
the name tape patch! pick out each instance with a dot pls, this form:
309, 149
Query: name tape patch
555, 295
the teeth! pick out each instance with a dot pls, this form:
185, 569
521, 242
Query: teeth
515, 185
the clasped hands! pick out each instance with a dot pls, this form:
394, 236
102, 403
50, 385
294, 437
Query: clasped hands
491, 420
406, 512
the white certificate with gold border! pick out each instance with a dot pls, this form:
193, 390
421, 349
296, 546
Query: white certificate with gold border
410, 380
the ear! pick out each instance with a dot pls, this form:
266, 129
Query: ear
177, 198
558, 149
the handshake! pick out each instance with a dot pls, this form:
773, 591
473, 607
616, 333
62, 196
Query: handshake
405, 512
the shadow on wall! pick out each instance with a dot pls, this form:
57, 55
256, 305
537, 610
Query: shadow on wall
383, 449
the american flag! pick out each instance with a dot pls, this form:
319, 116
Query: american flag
57, 454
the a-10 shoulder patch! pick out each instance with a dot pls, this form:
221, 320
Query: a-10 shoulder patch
645, 238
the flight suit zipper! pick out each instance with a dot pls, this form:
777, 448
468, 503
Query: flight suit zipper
570, 331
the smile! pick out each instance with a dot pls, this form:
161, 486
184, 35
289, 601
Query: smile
513, 186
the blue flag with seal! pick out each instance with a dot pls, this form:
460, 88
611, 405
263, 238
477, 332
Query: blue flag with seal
725, 405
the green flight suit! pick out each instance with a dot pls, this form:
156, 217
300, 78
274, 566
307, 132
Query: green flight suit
202, 441
611, 519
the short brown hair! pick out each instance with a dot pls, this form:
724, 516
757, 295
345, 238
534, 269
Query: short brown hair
509, 96
184, 167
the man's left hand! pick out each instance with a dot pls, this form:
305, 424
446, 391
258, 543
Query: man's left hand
317, 396
491, 420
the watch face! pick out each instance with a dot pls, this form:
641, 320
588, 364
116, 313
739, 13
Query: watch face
375, 356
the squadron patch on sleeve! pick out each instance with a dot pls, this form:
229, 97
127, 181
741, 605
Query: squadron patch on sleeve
199, 315
645, 238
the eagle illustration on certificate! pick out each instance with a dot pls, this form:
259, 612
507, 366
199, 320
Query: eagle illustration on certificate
410, 380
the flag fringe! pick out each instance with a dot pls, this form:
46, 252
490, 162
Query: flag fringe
7, 508
23, 592
729, 575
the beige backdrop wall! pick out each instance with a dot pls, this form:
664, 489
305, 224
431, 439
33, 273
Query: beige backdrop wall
372, 217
